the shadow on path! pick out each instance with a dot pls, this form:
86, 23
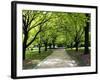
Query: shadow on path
59, 58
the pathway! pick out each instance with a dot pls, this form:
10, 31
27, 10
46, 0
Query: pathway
59, 58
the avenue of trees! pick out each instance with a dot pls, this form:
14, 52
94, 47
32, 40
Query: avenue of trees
55, 29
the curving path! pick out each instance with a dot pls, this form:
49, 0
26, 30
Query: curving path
58, 58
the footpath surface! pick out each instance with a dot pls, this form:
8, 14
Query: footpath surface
57, 59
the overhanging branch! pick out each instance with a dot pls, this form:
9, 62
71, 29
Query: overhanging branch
39, 24
33, 38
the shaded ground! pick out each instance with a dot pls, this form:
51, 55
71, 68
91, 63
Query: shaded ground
59, 58
56, 59
79, 57
33, 58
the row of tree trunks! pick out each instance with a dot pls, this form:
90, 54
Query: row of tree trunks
45, 45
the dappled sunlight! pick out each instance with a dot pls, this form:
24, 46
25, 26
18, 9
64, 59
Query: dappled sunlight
29, 64
57, 63
47, 35
53, 63
57, 59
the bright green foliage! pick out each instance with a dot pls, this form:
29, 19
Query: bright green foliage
56, 28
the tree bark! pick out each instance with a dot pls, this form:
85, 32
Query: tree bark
39, 48
86, 51
53, 44
45, 46
86, 41
71, 45
50, 45
76, 45
25, 44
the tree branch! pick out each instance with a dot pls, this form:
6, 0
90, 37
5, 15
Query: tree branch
80, 35
32, 19
39, 24
24, 25
33, 38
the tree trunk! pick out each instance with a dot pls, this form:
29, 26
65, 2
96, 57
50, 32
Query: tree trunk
45, 46
76, 45
86, 39
24, 44
71, 45
53, 44
39, 48
24, 50
50, 45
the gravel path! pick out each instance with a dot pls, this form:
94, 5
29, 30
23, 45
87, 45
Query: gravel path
58, 58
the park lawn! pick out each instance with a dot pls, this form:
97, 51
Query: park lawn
79, 57
33, 58
39, 56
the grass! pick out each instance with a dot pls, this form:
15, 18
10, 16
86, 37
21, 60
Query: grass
33, 50
77, 56
33, 58
39, 56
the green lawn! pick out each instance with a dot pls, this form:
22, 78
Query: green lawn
39, 56
77, 56
33, 58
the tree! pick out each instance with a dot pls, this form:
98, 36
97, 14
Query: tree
49, 32
77, 21
45, 28
86, 51
31, 20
